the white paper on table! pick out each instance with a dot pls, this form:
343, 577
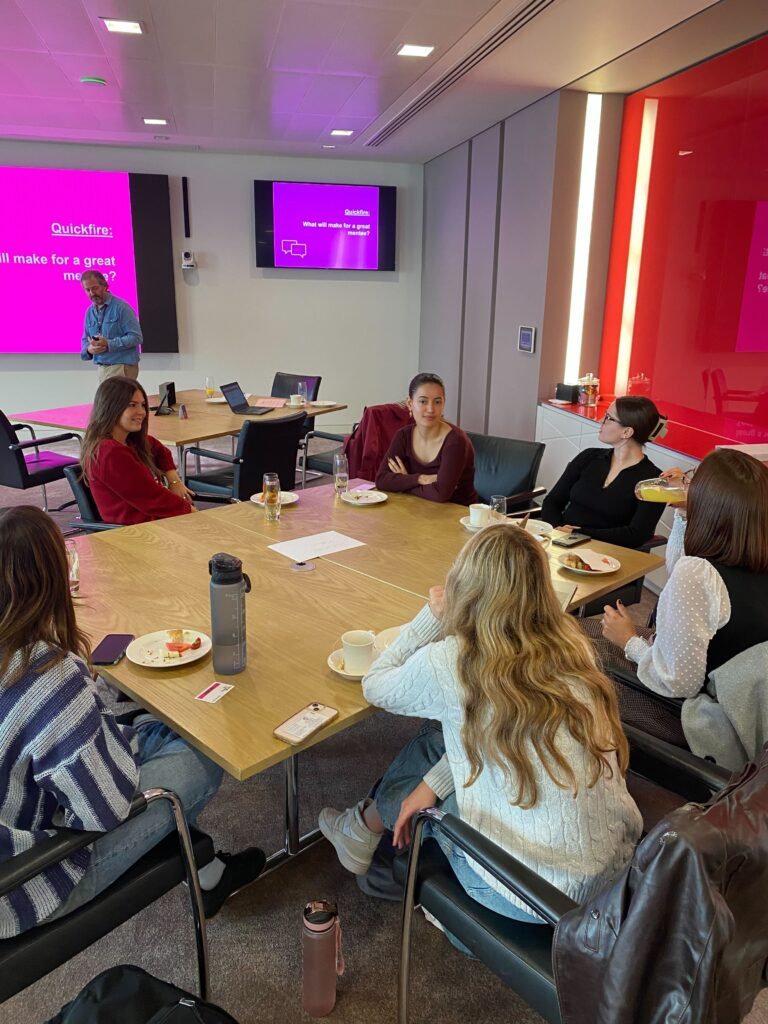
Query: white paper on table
316, 545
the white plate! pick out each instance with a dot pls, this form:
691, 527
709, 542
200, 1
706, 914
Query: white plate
363, 497
286, 498
537, 527
335, 663
146, 650
385, 638
325, 403
600, 565
216, 401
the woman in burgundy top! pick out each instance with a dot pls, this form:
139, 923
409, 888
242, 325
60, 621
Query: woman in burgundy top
127, 469
431, 458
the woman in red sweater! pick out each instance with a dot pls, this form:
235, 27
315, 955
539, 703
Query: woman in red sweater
126, 469
430, 458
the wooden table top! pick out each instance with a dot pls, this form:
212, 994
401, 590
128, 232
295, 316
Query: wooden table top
205, 421
411, 543
142, 578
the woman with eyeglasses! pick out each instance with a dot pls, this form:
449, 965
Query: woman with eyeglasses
596, 493
715, 603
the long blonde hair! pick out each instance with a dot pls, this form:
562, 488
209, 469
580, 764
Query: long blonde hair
525, 668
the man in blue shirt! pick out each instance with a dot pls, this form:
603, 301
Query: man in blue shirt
111, 335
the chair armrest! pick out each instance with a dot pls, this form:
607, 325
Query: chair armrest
675, 767
658, 540
629, 679
37, 441
94, 527
16, 427
26, 865
545, 899
233, 460
325, 435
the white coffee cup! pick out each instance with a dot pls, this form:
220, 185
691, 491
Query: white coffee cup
295, 400
479, 514
358, 650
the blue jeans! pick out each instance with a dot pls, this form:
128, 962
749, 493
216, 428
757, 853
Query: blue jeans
401, 778
165, 761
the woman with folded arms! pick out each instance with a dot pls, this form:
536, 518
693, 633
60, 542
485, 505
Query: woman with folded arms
596, 493
127, 469
715, 602
431, 459
64, 759
534, 755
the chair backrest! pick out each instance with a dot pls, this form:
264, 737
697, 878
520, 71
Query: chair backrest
505, 466
82, 492
719, 387
368, 444
13, 468
284, 385
267, 446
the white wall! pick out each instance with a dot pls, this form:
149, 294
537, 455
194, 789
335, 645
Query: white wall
359, 330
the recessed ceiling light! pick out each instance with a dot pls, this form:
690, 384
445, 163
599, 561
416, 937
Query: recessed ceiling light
92, 80
130, 28
328, 146
684, 152
155, 120
342, 131
410, 50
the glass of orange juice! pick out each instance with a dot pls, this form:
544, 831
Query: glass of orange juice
668, 492
210, 387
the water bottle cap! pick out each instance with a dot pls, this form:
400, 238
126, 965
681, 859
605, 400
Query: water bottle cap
320, 912
225, 568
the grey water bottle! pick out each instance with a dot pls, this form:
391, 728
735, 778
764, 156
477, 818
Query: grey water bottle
229, 585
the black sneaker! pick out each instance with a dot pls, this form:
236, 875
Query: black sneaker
240, 869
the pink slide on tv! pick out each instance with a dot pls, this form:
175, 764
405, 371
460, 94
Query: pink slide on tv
54, 225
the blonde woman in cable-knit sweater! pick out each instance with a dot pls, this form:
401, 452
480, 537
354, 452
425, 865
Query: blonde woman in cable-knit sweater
531, 751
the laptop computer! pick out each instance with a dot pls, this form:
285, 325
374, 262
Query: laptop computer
238, 402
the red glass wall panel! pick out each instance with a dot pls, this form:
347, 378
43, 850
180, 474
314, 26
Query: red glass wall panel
700, 334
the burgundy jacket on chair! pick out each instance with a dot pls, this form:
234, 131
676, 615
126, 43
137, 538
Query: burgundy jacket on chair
369, 444
681, 937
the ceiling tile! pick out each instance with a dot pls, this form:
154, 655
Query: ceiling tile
190, 84
141, 81
143, 47
374, 95
231, 122
186, 30
18, 34
327, 94
365, 43
192, 120
306, 33
37, 72
69, 32
246, 30
75, 66
284, 91
305, 126
42, 113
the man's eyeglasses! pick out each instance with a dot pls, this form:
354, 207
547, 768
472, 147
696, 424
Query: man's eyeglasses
612, 419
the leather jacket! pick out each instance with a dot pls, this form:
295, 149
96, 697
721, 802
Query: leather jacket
681, 937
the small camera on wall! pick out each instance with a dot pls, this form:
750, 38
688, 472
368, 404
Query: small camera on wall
188, 260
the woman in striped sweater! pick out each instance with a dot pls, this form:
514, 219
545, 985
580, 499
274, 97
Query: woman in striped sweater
65, 761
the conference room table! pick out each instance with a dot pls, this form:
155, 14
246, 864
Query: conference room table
205, 420
139, 579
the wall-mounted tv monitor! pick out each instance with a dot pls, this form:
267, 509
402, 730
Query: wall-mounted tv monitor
54, 225
306, 225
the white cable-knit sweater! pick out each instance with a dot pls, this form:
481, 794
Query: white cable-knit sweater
578, 843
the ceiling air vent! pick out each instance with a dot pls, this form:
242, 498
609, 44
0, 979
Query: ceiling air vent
524, 14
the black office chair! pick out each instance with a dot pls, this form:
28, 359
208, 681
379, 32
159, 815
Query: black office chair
30, 956
22, 471
506, 466
263, 446
284, 385
89, 519
520, 954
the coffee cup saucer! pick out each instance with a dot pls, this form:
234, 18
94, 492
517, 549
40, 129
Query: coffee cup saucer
336, 664
468, 525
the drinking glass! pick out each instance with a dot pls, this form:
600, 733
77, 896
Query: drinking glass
340, 473
210, 387
73, 560
271, 490
498, 506
301, 391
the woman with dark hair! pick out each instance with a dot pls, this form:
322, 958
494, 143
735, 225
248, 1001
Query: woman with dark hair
596, 493
715, 603
430, 458
65, 761
125, 467
533, 754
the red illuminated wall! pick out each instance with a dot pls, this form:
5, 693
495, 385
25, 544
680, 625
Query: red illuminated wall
701, 322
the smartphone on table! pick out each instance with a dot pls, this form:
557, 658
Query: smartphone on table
111, 649
305, 723
570, 540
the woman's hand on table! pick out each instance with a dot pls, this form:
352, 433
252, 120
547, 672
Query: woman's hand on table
396, 465
437, 601
416, 801
618, 627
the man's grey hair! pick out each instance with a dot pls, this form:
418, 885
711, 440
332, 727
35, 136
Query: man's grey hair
94, 273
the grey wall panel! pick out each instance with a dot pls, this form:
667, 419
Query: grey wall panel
530, 140
442, 287
480, 278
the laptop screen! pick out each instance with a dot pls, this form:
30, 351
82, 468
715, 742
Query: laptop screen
234, 395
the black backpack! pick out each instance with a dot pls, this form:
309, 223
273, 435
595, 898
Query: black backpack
128, 995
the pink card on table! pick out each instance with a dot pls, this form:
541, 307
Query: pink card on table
270, 403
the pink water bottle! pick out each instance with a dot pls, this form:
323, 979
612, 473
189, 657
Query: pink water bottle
322, 959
